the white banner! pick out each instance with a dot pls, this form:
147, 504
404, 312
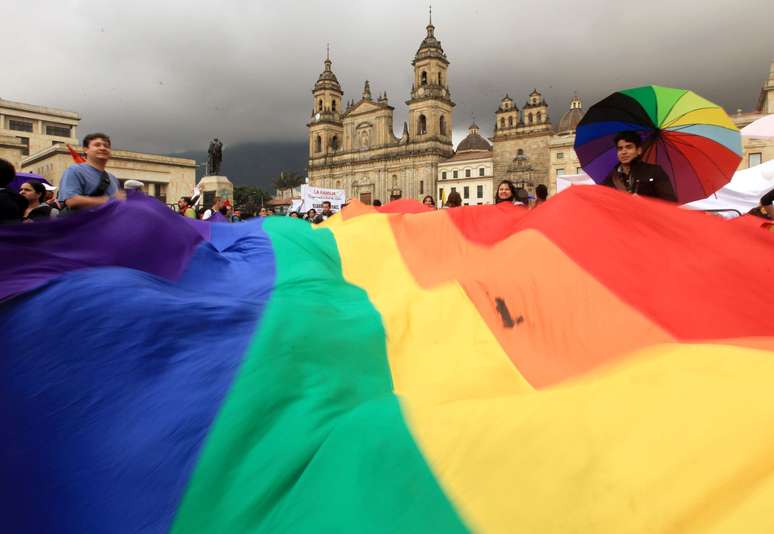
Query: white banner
313, 197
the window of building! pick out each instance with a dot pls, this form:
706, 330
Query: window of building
318, 144
539, 117
479, 191
442, 125
440, 195
578, 170
422, 125
467, 173
466, 192
338, 184
421, 187
58, 130
454, 174
520, 152
440, 78
560, 172
529, 118
754, 159
26, 142
319, 105
502, 123
560, 155
510, 121
335, 142
20, 125
443, 175
481, 171
160, 192
423, 78
453, 189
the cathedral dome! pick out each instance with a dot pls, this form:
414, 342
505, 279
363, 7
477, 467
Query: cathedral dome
473, 141
570, 120
572, 117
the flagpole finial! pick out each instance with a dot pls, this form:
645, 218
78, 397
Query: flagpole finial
328, 51
431, 14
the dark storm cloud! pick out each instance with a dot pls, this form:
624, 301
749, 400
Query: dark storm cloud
165, 76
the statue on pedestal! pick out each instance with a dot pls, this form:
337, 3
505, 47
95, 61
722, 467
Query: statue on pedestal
214, 157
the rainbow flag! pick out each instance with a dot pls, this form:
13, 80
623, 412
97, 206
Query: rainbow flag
603, 363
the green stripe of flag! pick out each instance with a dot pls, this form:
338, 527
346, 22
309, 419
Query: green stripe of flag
311, 437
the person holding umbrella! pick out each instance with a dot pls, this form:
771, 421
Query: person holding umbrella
645, 133
633, 175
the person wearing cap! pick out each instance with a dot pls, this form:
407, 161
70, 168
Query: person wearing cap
134, 185
35, 193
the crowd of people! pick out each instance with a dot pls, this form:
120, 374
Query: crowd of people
89, 185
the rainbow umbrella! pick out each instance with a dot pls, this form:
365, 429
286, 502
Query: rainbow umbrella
691, 138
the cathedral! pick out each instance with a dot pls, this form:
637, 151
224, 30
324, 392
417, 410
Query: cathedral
352, 145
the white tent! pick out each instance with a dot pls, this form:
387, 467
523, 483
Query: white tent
742, 193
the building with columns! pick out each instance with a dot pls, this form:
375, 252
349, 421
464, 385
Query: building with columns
756, 151
35, 138
470, 172
353, 147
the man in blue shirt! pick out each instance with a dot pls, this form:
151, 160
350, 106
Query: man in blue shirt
88, 185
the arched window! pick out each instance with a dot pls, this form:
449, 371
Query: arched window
318, 144
422, 125
440, 78
423, 78
502, 123
319, 105
335, 142
529, 118
520, 152
539, 116
333, 105
338, 184
442, 125
510, 122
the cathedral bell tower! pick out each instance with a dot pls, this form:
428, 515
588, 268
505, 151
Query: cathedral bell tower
325, 127
430, 106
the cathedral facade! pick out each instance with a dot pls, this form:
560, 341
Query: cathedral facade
353, 147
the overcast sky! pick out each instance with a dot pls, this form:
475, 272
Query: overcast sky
169, 75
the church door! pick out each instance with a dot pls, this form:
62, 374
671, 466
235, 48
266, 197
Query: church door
365, 198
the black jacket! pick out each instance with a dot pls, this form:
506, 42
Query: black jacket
12, 206
644, 179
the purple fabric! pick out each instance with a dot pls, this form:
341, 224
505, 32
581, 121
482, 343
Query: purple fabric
22, 177
217, 217
113, 235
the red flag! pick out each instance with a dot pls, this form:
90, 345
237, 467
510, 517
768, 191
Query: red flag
76, 156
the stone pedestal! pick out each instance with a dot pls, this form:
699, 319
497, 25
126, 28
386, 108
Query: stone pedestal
212, 186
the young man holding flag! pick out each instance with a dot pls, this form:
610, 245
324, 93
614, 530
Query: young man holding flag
88, 185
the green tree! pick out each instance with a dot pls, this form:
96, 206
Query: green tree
250, 198
287, 180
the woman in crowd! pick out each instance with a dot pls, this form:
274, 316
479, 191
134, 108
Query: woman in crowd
35, 194
429, 201
506, 192
310, 215
293, 214
454, 200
